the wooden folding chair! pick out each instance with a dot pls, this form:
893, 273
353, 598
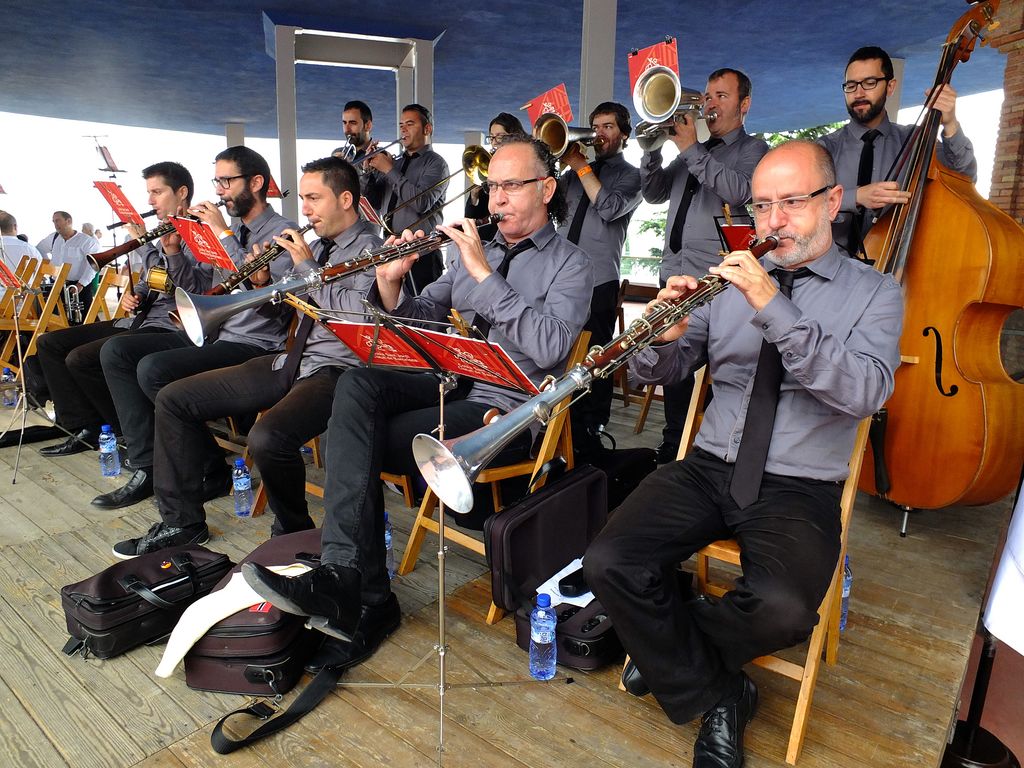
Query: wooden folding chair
36, 316
25, 270
100, 306
825, 637
556, 440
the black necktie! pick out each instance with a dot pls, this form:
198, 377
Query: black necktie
483, 325
864, 170
581, 209
394, 195
675, 240
243, 236
294, 356
764, 397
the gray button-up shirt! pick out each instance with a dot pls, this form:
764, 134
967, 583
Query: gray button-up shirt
536, 313
839, 340
323, 348
426, 168
253, 327
604, 228
724, 174
845, 145
184, 271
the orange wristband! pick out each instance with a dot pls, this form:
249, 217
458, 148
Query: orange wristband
584, 171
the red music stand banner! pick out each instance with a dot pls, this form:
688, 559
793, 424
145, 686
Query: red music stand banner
119, 204
555, 100
476, 358
203, 243
7, 278
662, 54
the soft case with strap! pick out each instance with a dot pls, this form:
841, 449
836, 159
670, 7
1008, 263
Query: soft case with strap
584, 637
137, 601
529, 541
260, 650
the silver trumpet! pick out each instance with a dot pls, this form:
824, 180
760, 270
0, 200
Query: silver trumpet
449, 467
73, 304
660, 99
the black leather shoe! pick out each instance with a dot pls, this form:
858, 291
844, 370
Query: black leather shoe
217, 484
138, 488
720, 741
376, 623
329, 595
667, 451
632, 681
84, 440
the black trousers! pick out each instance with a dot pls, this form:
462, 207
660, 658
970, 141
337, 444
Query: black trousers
138, 367
297, 413
376, 414
595, 409
70, 361
688, 652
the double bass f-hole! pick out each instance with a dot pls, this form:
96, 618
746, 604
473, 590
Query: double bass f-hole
938, 363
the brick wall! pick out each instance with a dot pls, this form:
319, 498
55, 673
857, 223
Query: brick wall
1007, 189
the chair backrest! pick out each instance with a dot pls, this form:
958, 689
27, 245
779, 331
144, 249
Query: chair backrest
109, 278
633, 292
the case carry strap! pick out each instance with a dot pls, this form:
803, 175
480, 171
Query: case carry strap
324, 682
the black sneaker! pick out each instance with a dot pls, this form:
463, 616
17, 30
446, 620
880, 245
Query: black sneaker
160, 536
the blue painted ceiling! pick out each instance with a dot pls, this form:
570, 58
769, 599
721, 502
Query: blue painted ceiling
195, 66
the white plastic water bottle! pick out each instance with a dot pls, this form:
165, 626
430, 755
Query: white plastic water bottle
847, 584
110, 460
9, 389
542, 639
242, 481
389, 549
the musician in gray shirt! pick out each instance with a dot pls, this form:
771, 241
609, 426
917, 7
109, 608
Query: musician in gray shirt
697, 183
415, 181
602, 197
529, 289
137, 368
293, 391
869, 82
835, 342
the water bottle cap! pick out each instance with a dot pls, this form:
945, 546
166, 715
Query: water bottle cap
846, 561
6, 371
385, 515
543, 600
239, 463
105, 429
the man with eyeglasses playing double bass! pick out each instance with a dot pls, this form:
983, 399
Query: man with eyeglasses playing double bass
864, 149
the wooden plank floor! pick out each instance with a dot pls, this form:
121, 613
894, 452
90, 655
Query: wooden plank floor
888, 702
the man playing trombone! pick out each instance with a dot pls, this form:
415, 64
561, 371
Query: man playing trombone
602, 196
293, 390
529, 290
414, 187
70, 357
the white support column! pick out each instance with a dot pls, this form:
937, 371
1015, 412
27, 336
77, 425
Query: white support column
597, 55
287, 130
423, 50
235, 134
405, 88
892, 104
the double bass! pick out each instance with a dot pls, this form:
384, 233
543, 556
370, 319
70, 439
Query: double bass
953, 431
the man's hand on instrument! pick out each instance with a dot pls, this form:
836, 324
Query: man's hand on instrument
945, 102
382, 162
677, 286
467, 240
260, 277
130, 302
296, 247
746, 273
209, 213
394, 271
685, 132
881, 194
135, 230
574, 156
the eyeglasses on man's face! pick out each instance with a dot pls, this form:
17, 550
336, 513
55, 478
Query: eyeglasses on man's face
510, 187
868, 84
223, 182
787, 204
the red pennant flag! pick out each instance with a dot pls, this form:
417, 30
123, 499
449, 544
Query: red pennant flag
556, 100
2, 190
662, 54
123, 210
203, 243
275, 191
